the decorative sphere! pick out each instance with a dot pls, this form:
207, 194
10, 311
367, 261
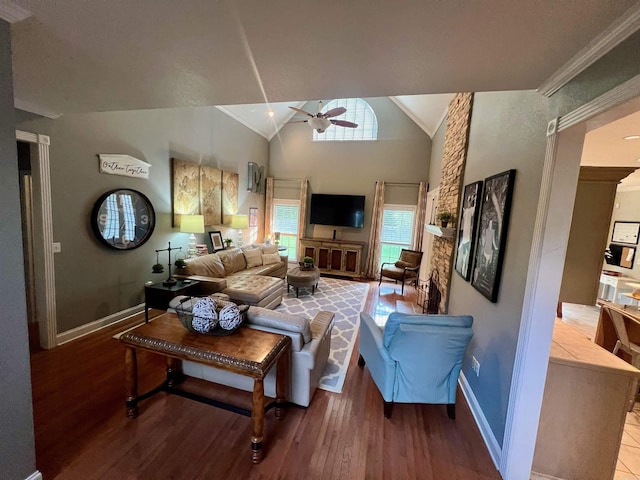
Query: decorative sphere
229, 317
204, 315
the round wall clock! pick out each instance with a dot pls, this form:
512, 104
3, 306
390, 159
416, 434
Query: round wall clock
123, 219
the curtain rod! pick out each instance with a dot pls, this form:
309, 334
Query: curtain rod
398, 184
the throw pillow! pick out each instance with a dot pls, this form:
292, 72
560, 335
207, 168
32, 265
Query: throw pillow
401, 264
253, 257
270, 249
270, 258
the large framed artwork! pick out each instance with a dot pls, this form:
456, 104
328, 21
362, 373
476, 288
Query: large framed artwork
186, 190
492, 233
471, 200
211, 195
229, 196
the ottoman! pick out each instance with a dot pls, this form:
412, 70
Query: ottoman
257, 290
300, 278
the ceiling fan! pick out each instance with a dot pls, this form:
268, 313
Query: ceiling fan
321, 121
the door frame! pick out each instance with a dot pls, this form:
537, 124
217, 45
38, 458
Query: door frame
565, 138
45, 283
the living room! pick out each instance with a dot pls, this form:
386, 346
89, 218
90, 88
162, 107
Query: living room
507, 131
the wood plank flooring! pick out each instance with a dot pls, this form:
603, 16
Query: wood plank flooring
82, 432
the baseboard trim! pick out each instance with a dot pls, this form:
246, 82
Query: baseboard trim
34, 476
96, 325
485, 430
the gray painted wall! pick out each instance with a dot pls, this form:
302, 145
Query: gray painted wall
616, 67
17, 447
93, 281
401, 154
507, 132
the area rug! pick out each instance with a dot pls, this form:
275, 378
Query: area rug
345, 299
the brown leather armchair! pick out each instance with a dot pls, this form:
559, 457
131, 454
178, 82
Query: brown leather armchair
405, 268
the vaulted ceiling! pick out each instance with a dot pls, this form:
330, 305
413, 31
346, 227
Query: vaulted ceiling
249, 56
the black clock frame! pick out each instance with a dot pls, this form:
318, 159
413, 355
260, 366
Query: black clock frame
95, 224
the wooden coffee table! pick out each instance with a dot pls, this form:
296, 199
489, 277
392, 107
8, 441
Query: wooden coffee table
247, 352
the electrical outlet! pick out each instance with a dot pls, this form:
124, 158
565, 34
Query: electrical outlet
475, 365
57, 247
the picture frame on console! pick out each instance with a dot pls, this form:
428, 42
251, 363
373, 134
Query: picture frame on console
469, 213
217, 243
492, 234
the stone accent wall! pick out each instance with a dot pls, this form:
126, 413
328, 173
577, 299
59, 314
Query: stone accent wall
454, 158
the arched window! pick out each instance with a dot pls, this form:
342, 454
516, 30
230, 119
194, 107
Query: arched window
358, 111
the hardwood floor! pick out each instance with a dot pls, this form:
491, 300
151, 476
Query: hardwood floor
82, 432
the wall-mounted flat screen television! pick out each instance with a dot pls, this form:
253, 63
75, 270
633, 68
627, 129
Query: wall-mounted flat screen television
337, 210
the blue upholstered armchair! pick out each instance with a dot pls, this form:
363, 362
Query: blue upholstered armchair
415, 358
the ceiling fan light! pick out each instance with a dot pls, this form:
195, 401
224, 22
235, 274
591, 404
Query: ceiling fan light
318, 123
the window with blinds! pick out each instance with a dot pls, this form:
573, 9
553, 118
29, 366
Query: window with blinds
285, 221
358, 111
397, 231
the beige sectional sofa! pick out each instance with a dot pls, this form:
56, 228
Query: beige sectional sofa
251, 275
310, 347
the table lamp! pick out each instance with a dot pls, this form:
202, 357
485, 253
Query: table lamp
192, 224
239, 222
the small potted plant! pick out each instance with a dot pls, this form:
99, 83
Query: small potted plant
445, 218
307, 262
228, 242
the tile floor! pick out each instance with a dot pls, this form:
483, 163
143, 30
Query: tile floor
585, 319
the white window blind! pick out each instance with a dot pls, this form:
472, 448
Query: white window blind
285, 217
397, 225
359, 112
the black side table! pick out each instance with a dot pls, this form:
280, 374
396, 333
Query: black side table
158, 295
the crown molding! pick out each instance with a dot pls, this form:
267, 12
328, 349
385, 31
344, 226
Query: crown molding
618, 31
13, 13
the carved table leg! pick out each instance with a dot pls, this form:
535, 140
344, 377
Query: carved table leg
131, 382
283, 380
257, 420
174, 372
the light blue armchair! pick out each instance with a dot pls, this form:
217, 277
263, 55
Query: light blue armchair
415, 358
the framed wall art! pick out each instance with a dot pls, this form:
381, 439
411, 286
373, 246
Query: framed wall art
216, 240
469, 214
253, 217
492, 233
625, 232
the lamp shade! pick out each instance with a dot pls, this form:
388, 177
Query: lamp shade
239, 221
192, 224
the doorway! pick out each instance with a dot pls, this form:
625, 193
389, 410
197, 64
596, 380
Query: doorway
42, 275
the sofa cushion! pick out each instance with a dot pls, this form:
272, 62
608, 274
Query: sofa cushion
253, 257
269, 249
233, 260
206, 266
279, 320
270, 258
252, 289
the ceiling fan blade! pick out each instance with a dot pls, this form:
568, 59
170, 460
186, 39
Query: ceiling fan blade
334, 112
344, 123
301, 111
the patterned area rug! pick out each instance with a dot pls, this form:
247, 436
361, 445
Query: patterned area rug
345, 299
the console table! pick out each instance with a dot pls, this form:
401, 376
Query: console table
337, 257
247, 352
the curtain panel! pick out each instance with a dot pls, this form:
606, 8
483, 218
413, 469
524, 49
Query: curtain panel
268, 210
421, 213
371, 268
302, 214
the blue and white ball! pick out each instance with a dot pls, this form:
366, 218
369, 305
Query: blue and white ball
204, 313
230, 317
